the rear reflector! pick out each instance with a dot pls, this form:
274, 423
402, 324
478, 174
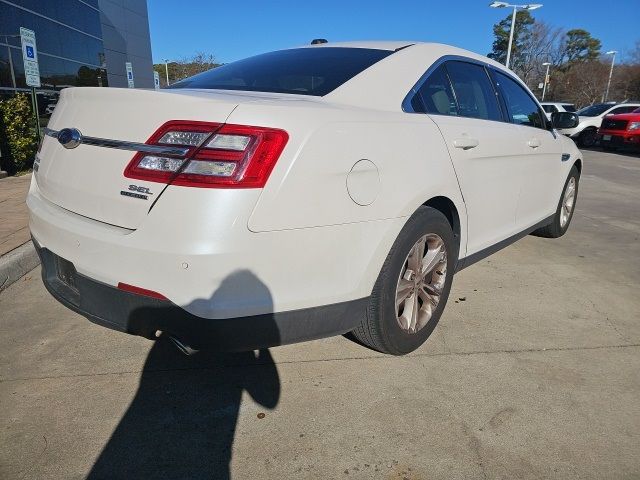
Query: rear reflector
140, 291
219, 156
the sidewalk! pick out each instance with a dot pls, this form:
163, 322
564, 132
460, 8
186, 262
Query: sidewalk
14, 218
17, 255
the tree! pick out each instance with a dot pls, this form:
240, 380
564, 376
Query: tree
186, 67
540, 48
580, 46
521, 37
582, 84
536, 43
17, 133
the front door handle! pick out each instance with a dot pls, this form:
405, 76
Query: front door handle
465, 143
534, 142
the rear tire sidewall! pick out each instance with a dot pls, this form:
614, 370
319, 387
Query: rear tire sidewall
426, 220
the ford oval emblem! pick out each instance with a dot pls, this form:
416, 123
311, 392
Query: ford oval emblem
69, 137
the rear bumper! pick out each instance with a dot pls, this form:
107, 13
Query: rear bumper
141, 315
205, 259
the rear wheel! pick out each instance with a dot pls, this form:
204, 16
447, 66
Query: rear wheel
566, 207
413, 286
588, 137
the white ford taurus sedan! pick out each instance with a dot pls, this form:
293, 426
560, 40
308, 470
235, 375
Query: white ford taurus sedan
295, 195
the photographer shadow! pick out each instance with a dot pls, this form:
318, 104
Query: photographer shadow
182, 420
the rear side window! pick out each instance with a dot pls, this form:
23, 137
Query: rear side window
436, 95
303, 71
622, 110
569, 108
521, 107
550, 108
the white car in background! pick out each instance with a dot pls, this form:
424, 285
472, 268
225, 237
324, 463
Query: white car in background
295, 195
554, 107
586, 133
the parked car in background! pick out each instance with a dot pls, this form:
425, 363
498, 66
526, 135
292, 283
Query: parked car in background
620, 131
50, 108
553, 107
296, 194
586, 133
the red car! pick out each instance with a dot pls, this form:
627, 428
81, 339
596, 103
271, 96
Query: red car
622, 130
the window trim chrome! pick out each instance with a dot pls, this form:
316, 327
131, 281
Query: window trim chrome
124, 145
406, 103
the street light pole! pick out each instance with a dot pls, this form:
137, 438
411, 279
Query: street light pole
613, 59
166, 69
513, 27
546, 79
529, 6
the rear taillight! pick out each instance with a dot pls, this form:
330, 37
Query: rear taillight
218, 155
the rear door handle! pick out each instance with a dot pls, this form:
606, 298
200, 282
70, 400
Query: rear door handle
465, 143
534, 142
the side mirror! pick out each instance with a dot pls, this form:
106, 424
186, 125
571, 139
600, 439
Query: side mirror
562, 120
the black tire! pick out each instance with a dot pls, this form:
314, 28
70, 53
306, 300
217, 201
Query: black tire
380, 329
588, 137
555, 228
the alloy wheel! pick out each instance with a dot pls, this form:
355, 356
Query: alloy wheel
420, 284
568, 202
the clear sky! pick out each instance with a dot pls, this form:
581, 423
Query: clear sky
232, 30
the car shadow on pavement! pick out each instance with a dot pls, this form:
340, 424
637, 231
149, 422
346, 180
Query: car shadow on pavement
182, 421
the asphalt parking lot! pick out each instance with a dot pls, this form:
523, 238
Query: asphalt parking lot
533, 372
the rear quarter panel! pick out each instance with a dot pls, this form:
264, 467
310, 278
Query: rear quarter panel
308, 187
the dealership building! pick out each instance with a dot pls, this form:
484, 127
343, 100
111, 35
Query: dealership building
79, 43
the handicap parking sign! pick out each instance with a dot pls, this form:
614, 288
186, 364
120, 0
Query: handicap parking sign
30, 57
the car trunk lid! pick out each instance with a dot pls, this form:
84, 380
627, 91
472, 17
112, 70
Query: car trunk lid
89, 180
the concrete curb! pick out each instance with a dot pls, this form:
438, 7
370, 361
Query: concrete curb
17, 263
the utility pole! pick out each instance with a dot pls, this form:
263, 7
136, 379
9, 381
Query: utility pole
613, 59
546, 79
166, 69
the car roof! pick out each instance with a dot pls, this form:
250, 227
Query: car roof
626, 104
386, 83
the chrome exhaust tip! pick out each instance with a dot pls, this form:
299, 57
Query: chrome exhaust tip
186, 349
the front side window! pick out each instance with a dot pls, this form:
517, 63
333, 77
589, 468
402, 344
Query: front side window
549, 108
436, 94
474, 93
302, 71
521, 107
569, 108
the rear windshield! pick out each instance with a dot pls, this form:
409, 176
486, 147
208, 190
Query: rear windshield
595, 110
303, 71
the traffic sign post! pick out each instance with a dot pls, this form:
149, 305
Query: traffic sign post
31, 70
129, 74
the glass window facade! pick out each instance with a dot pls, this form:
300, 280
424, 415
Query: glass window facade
69, 41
